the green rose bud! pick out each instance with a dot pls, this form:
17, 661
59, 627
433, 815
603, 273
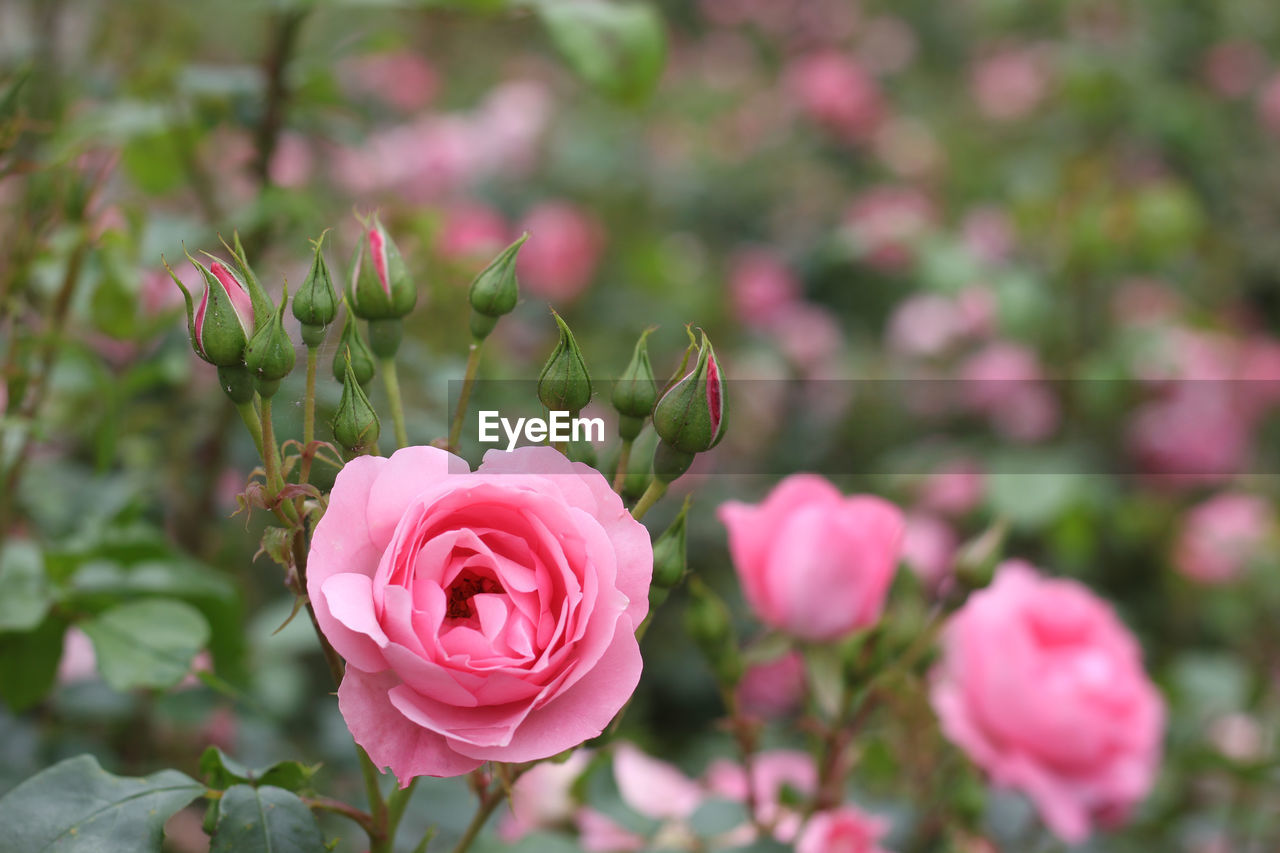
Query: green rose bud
564, 384
353, 351
635, 392
495, 291
670, 560
221, 325
640, 464
690, 415
315, 305
270, 355
355, 424
378, 285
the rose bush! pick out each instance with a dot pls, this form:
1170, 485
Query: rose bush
483, 616
1044, 688
813, 562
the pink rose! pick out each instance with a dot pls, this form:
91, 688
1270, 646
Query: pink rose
483, 616
1008, 85
835, 92
813, 562
563, 251
472, 232
1043, 687
1221, 536
760, 286
842, 830
929, 548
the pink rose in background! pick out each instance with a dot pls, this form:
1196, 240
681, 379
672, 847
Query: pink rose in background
1269, 105
1221, 536
292, 162
1009, 84
774, 688
811, 561
1043, 687
760, 285
925, 325
542, 797
809, 336
842, 830
988, 234
836, 93
654, 788
564, 248
885, 222
402, 80
954, 489
1193, 435
1005, 382
772, 772
483, 616
472, 232
599, 833
929, 548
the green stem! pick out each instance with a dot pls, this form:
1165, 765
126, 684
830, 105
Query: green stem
309, 404
651, 496
464, 396
252, 423
271, 461
487, 805
379, 842
396, 805
624, 459
392, 383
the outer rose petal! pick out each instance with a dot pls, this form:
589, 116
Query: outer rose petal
355, 634
409, 472
391, 740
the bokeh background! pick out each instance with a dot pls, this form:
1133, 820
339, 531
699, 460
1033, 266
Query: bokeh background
1005, 263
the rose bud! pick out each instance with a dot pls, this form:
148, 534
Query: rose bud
670, 559
707, 621
564, 384
378, 284
222, 323
640, 464
355, 424
495, 291
262, 304
690, 415
354, 351
269, 354
315, 305
635, 392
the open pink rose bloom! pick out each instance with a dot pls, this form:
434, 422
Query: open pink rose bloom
483, 616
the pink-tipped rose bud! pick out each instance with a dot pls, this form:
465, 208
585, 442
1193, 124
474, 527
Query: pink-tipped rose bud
813, 562
1222, 536
223, 322
379, 287
1043, 687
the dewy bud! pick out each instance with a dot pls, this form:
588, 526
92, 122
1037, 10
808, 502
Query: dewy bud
353, 350
706, 619
263, 307
315, 305
564, 384
222, 323
690, 415
355, 425
495, 290
270, 355
670, 558
635, 392
378, 286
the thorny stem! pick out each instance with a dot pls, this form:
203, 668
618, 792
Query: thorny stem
392, 383
624, 459
651, 496
464, 395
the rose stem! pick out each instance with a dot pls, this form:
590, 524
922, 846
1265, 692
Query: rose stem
488, 802
392, 383
252, 423
309, 412
271, 459
464, 395
624, 459
651, 496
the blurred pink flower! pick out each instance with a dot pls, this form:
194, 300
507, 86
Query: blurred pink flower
988, 234
1195, 434
809, 336
925, 325
598, 833
1143, 301
1043, 687
835, 92
885, 222
1269, 105
157, 294
564, 249
1222, 536
888, 44
472, 232
1004, 380
542, 797
654, 788
1232, 68
772, 772
954, 489
760, 285
78, 661
929, 548
293, 162
402, 80
774, 688
978, 311
1010, 83
842, 830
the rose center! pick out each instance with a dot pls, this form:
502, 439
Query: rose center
466, 586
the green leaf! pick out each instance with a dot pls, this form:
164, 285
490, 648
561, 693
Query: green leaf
619, 48
264, 820
77, 807
147, 643
24, 590
29, 663
222, 771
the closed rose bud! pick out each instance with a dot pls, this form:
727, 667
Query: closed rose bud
221, 325
355, 424
315, 305
690, 415
640, 464
495, 291
670, 558
635, 392
707, 621
354, 351
270, 355
263, 307
378, 284
564, 384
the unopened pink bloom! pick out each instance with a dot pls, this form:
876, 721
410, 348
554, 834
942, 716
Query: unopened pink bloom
811, 561
836, 93
1043, 687
560, 259
774, 688
1222, 536
1009, 84
929, 548
760, 285
842, 830
486, 616
472, 232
